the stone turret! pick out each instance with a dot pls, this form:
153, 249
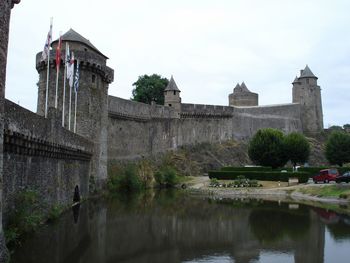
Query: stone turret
92, 110
241, 96
172, 95
307, 93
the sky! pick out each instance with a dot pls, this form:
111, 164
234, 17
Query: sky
208, 46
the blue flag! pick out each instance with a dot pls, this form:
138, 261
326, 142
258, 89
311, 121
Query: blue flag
76, 78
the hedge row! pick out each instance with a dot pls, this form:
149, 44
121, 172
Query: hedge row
312, 171
258, 175
315, 170
259, 168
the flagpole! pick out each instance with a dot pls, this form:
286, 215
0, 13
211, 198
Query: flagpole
57, 74
47, 83
64, 85
76, 85
48, 71
70, 106
75, 111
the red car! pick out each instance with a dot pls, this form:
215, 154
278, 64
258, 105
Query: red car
326, 176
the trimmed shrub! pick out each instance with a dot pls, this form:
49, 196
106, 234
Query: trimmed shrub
261, 176
258, 168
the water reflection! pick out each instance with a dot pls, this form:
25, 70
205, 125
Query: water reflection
169, 226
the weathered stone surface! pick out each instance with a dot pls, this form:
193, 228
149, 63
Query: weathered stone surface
5, 11
307, 93
92, 104
42, 156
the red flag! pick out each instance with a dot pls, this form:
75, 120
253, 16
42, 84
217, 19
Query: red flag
58, 54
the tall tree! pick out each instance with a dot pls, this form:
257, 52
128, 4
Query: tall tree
266, 148
338, 148
297, 148
150, 88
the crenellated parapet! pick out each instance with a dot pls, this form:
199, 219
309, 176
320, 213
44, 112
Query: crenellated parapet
87, 61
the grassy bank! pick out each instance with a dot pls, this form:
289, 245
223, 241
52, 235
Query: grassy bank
327, 191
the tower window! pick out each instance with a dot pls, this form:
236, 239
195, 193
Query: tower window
307, 81
93, 80
169, 105
174, 92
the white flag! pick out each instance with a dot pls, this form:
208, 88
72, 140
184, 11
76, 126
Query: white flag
46, 50
70, 70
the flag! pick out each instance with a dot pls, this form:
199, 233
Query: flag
58, 54
76, 78
67, 58
70, 70
45, 53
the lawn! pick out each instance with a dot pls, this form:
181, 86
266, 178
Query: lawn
337, 191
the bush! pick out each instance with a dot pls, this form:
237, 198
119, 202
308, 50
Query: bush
166, 177
261, 176
127, 180
338, 148
27, 215
267, 148
257, 168
214, 182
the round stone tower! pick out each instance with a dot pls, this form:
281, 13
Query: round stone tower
241, 96
307, 93
172, 95
92, 95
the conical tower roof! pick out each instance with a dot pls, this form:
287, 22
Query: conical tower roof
307, 73
237, 88
72, 36
172, 85
244, 87
296, 80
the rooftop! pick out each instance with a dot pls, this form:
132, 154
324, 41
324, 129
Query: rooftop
172, 85
73, 36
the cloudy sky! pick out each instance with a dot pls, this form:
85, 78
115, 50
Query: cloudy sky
207, 45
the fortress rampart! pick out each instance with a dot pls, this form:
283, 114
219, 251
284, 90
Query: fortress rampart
40, 155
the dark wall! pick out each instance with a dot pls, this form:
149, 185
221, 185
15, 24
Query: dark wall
5, 11
40, 155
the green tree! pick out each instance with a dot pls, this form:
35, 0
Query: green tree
267, 148
338, 148
297, 148
149, 88
346, 126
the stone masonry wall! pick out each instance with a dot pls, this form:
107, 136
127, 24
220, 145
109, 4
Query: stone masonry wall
5, 12
137, 129
247, 120
40, 155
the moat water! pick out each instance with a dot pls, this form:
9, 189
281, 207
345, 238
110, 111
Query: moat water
170, 226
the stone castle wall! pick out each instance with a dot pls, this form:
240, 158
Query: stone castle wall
248, 120
138, 129
5, 13
40, 155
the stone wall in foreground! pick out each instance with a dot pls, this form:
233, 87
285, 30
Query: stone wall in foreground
40, 155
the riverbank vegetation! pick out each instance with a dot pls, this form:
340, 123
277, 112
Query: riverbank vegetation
30, 211
333, 191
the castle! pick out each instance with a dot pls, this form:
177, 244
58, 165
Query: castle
38, 153
41, 154
124, 129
